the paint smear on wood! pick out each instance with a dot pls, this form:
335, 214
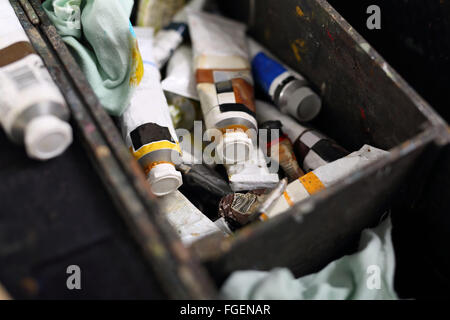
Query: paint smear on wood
299, 11
298, 46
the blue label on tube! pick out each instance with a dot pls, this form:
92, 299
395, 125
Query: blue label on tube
266, 70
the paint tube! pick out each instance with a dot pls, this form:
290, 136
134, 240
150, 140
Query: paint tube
204, 177
148, 129
189, 222
180, 89
236, 208
240, 209
157, 13
324, 177
270, 201
224, 83
32, 110
173, 35
180, 78
287, 89
312, 148
251, 174
280, 149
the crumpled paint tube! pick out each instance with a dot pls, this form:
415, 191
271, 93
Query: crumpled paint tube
148, 129
180, 89
32, 110
172, 36
280, 149
312, 148
239, 209
189, 222
287, 89
251, 174
324, 177
224, 82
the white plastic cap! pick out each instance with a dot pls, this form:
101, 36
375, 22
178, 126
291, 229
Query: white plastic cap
164, 179
234, 147
47, 137
305, 103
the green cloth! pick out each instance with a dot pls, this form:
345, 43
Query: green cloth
353, 277
101, 38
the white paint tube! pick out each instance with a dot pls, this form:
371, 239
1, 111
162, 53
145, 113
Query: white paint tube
252, 174
312, 148
224, 83
324, 177
32, 110
189, 222
147, 126
180, 89
288, 90
180, 74
173, 35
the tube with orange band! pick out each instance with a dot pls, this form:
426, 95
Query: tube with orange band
224, 83
324, 177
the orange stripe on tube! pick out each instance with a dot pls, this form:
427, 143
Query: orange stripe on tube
312, 183
288, 199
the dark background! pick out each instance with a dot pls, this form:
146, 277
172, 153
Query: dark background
414, 38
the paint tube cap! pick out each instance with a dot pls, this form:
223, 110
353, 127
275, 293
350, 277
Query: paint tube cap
164, 179
235, 147
301, 102
47, 137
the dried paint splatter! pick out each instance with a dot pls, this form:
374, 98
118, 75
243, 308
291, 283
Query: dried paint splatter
363, 113
137, 67
298, 46
330, 36
299, 11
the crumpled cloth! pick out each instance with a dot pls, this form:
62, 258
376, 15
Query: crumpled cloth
365, 275
101, 38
